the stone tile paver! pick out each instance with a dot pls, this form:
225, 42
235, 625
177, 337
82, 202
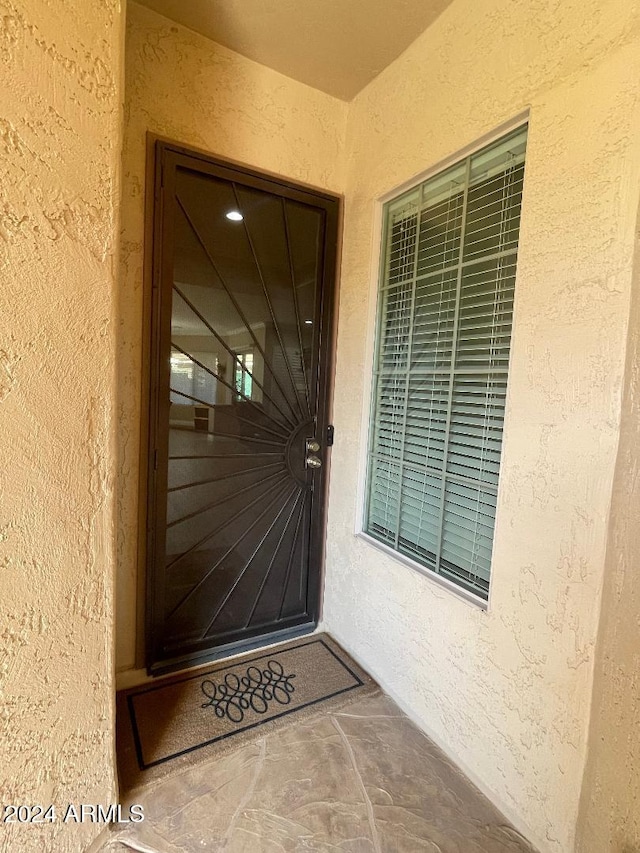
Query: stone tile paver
360, 780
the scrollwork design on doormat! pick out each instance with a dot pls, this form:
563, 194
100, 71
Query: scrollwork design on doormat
255, 690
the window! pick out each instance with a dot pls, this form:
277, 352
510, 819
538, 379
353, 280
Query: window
442, 355
192, 380
243, 380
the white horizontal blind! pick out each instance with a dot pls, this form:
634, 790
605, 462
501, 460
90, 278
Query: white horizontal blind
442, 354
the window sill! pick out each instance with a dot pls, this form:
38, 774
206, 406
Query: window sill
435, 578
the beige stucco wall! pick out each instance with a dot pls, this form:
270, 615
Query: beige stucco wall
609, 817
508, 692
185, 87
59, 171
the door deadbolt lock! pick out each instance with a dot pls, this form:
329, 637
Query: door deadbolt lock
312, 447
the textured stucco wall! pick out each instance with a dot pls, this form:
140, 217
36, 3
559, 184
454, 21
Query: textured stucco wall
507, 692
59, 170
185, 87
610, 808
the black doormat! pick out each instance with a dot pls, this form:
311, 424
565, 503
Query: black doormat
167, 722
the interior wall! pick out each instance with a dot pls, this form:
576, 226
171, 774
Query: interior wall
59, 173
506, 692
609, 817
183, 86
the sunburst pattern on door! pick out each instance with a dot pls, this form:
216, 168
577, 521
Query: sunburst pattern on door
241, 398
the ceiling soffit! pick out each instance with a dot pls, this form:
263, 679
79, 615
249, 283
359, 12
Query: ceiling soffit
337, 46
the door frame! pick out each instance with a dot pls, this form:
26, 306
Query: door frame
159, 151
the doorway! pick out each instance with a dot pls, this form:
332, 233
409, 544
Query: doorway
241, 345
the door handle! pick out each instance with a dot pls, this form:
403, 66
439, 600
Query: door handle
312, 462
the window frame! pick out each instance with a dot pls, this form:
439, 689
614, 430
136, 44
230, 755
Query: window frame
240, 362
377, 266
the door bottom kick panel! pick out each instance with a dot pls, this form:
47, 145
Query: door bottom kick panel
232, 649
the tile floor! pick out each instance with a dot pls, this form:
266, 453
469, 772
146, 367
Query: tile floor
362, 779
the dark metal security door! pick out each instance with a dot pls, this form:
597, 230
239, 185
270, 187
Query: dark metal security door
243, 292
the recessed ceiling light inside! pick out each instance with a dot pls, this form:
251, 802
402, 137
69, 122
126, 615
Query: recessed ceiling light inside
235, 216
308, 322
